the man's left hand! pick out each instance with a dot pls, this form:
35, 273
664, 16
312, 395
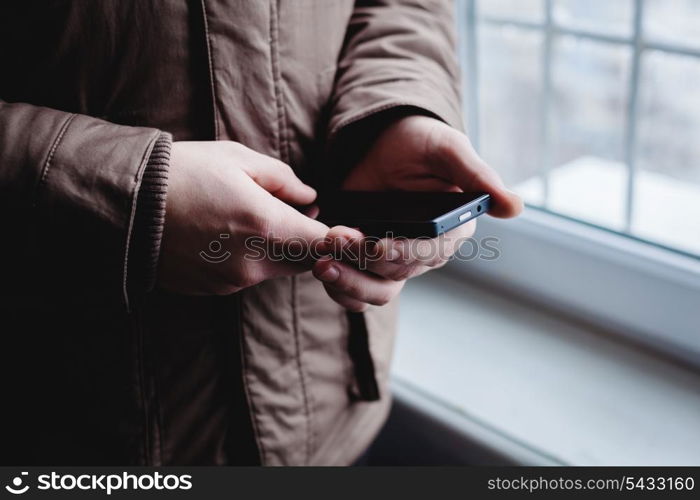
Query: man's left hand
416, 153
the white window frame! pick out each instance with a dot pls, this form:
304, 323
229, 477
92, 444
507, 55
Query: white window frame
621, 285
636, 289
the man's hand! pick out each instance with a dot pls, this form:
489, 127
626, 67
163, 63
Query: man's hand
222, 194
419, 153
416, 153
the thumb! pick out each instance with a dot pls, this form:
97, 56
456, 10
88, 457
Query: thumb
279, 179
464, 167
298, 234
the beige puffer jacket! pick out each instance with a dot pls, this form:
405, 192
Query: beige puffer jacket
92, 93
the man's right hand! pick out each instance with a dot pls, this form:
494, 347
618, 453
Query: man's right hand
220, 194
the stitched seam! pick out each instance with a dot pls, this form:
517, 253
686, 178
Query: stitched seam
132, 215
150, 380
283, 149
47, 164
158, 424
141, 388
282, 142
297, 347
244, 368
210, 63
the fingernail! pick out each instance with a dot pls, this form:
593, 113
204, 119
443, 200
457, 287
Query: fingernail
331, 274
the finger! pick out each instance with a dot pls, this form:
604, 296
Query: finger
345, 300
287, 220
464, 167
398, 272
289, 241
351, 246
279, 179
310, 211
356, 284
391, 258
416, 255
460, 233
344, 243
396, 258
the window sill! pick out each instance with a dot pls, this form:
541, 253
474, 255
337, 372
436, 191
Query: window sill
641, 292
534, 384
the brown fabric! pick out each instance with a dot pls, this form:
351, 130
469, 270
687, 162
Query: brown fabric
87, 90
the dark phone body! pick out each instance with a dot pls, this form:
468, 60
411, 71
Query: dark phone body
401, 213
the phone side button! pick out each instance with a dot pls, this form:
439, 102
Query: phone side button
465, 216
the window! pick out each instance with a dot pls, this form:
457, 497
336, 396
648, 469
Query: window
591, 109
588, 107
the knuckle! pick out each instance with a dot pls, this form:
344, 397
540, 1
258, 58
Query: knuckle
245, 277
382, 299
352, 289
389, 271
348, 287
359, 307
403, 273
436, 262
398, 276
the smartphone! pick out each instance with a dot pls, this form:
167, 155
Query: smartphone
409, 214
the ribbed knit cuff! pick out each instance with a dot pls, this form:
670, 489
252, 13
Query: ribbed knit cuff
149, 218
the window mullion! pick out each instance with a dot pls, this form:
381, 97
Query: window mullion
472, 57
545, 101
632, 112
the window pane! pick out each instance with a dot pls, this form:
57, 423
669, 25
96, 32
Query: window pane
587, 122
667, 188
587, 130
523, 10
602, 16
510, 89
673, 21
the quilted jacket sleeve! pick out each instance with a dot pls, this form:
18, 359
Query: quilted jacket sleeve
82, 204
397, 53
